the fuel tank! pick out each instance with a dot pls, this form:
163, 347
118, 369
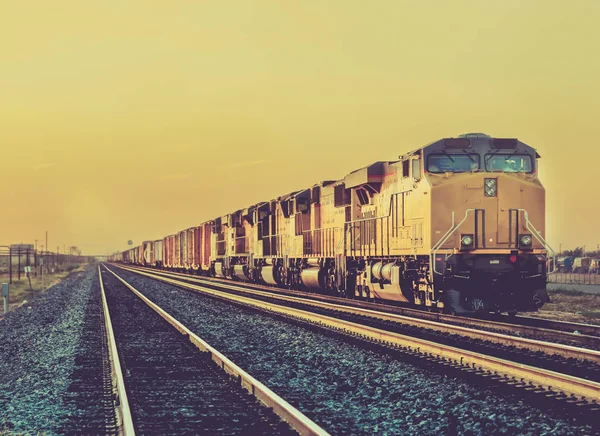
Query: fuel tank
269, 274
241, 272
219, 270
312, 278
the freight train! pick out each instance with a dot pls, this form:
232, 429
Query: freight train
457, 225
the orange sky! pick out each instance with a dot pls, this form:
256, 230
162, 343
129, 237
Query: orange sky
134, 119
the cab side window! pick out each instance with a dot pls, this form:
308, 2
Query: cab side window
416, 169
405, 168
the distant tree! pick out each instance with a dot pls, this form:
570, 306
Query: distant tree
578, 252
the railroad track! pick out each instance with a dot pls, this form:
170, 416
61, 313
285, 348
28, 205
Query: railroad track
91, 390
576, 334
168, 380
391, 320
573, 328
585, 394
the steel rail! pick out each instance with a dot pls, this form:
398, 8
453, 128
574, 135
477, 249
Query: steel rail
124, 419
535, 377
575, 328
583, 334
567, 351
296, 419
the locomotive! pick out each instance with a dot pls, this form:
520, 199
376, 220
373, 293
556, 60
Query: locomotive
457, 225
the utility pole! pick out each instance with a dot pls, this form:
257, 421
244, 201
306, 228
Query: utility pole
47, 246
42, 266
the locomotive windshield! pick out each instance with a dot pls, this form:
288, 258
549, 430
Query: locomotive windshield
453, 163
514, 163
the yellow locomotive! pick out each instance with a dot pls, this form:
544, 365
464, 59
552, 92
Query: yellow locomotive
456, 225
467, 228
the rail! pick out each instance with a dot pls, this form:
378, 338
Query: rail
124, 419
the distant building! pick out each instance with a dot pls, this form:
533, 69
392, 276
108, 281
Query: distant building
23, 247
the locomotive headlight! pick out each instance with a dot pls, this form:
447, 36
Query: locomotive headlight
490, 187
525, 241
466, 241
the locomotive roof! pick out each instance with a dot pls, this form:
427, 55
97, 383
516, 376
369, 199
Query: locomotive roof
475, 141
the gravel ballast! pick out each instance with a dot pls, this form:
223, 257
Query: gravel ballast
38, 344
343, 387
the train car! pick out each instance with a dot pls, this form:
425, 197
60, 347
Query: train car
194, 249
456, 225
177, 257
146, 253
133, 252
191, 249
139, 255
183, 251
157, 259
169, 251
204, 246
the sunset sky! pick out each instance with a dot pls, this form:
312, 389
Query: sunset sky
135, 119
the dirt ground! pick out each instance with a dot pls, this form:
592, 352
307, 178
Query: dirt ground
20, 290
573, 306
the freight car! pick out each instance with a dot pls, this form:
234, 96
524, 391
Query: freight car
456, 225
